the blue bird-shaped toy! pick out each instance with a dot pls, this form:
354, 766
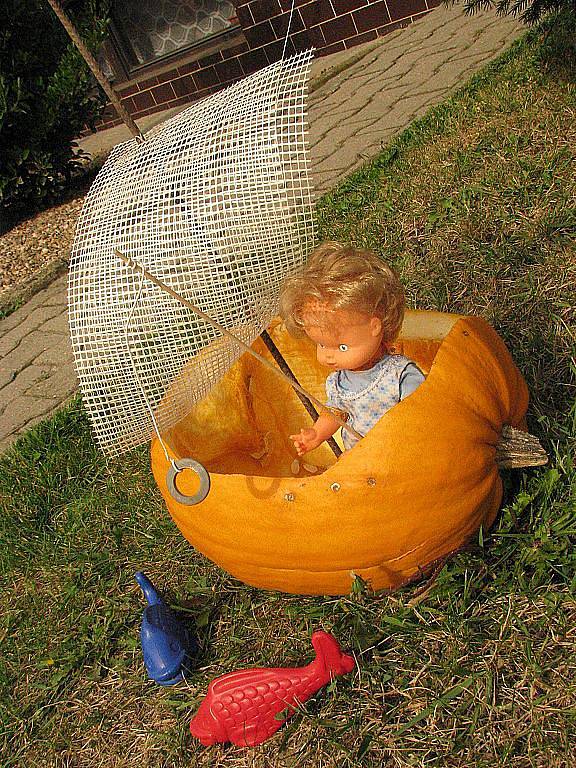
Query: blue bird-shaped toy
166, 644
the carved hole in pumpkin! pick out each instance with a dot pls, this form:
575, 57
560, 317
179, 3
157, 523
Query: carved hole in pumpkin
225, 432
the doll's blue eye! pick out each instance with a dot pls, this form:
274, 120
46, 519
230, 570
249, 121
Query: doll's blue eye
343, 347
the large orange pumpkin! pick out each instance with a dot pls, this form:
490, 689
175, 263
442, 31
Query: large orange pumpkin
415, 489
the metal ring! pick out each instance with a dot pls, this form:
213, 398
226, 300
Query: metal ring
175, 468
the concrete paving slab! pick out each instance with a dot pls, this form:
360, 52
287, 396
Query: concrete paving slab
37, 318
330, 120
21, 382
58, 384
30, 348
57, 354
19, 412
335, 138
57, 324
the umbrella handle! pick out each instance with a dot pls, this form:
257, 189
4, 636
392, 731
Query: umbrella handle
175, 468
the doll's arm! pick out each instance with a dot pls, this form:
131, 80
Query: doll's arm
310, 438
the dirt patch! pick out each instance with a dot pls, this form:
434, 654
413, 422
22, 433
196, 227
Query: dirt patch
36, 246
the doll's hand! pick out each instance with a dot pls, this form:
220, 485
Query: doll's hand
305, 441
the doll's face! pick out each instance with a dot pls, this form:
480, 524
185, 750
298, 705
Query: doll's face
344, 339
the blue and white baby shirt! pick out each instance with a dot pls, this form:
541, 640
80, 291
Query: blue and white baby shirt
367, 395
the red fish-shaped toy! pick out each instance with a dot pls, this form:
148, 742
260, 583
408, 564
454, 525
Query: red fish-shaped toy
243, 707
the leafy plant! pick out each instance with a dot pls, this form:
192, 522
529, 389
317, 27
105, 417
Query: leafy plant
47, 98
530, 11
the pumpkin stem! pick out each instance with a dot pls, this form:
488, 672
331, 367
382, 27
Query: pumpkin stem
519, 449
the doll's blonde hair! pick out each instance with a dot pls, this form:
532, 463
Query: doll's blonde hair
344, 278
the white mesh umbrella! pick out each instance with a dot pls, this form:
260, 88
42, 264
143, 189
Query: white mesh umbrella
216, 203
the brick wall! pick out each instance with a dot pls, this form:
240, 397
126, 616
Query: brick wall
327, 25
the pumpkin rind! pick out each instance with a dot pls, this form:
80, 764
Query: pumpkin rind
415, 489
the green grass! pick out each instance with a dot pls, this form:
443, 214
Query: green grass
10, 307
475, 205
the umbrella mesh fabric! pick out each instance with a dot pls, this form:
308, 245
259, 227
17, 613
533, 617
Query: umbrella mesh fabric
217, 203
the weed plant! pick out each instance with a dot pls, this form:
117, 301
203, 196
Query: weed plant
475, 205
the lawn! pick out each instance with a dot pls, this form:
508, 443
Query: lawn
475, 204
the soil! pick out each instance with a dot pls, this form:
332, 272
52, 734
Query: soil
34, 244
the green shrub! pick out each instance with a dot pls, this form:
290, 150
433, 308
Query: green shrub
47, 97
530, 11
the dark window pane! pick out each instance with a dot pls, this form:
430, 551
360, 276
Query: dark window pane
155, 28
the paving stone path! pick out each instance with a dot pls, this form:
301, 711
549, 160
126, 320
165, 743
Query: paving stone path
378, 90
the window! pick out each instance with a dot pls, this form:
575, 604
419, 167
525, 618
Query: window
150, 30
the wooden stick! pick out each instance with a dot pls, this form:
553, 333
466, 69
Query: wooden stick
96, 71
279, 358
129, 262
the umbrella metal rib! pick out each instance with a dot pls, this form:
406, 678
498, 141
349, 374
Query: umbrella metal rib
225, 332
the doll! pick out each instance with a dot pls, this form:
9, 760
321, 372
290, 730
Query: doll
351, 305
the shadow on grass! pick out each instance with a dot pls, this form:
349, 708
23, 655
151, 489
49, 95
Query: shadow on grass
558, 47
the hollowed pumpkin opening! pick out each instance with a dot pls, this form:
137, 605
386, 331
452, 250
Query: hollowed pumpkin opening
243, 427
